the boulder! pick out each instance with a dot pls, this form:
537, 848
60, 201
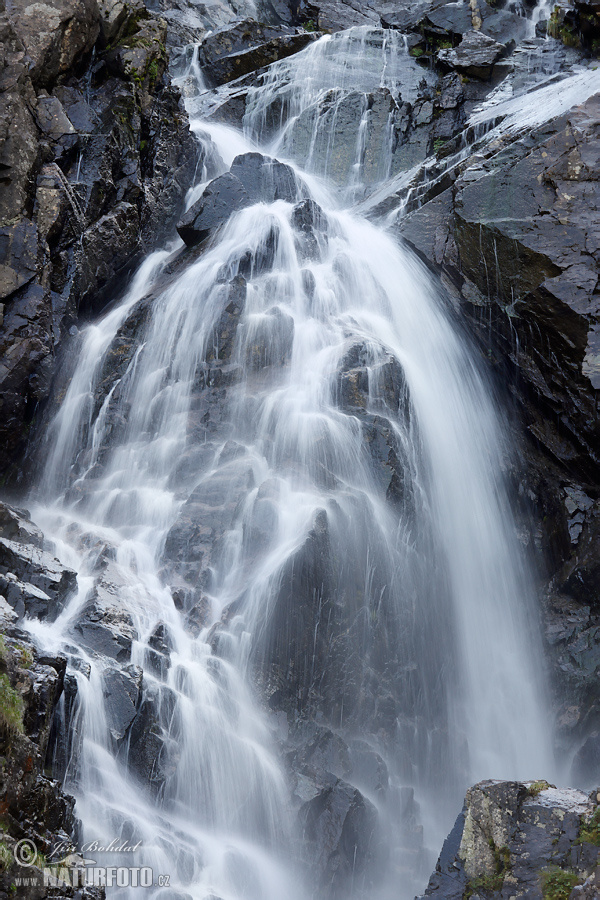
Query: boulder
103, 626
221, 198
475, 56
266, 179
512, 838
33, 581
339, 830
235, 50
122, 690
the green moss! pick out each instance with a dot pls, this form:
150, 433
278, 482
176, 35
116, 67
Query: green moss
11, 707
417, 51
438, 144
557, 883
537, 787
6, 857
590, 831
310, 25
25, 656
3, 650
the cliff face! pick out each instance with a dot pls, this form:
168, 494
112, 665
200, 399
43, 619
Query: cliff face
95, 155
518, 242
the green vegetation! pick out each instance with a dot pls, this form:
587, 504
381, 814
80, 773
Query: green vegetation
559, 29
491, 881
310, 25
557, 883
24, 656
537, 787
590, 831
438, 144
417, 52
6, 857
11, 707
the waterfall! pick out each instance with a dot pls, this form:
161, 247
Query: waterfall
277, 467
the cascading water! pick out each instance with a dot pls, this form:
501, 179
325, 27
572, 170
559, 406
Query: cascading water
278, 474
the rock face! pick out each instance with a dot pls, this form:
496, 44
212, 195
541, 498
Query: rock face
517, 839
235, 50
518, 236
32, 687
475, 55
94, 166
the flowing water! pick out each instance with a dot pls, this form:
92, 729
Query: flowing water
292, 422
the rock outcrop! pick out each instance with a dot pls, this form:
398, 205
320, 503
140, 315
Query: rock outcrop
96, 156
516, 839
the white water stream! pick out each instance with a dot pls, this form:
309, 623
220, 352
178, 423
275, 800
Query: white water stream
438, 573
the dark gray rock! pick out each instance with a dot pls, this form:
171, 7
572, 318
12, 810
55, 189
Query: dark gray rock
235, 50
94, 173
266, 179
153, 753
103, 627
122, 691
475, 55
32, 581
339, 830
222, 197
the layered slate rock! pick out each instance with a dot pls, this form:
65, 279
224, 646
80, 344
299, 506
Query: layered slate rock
235, 50
475, 56
520, 235
513, 838
32, 581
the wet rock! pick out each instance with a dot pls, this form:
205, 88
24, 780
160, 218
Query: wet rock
121, 691
548, 282
325, 751
16, 525
339, 830
475, 55
160, 645
234, 51
103, 626
95, 168
194, 541
270, 340
152, 752
335, 15
222, 197
32, 581
369, 770
266, 179
310, 221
